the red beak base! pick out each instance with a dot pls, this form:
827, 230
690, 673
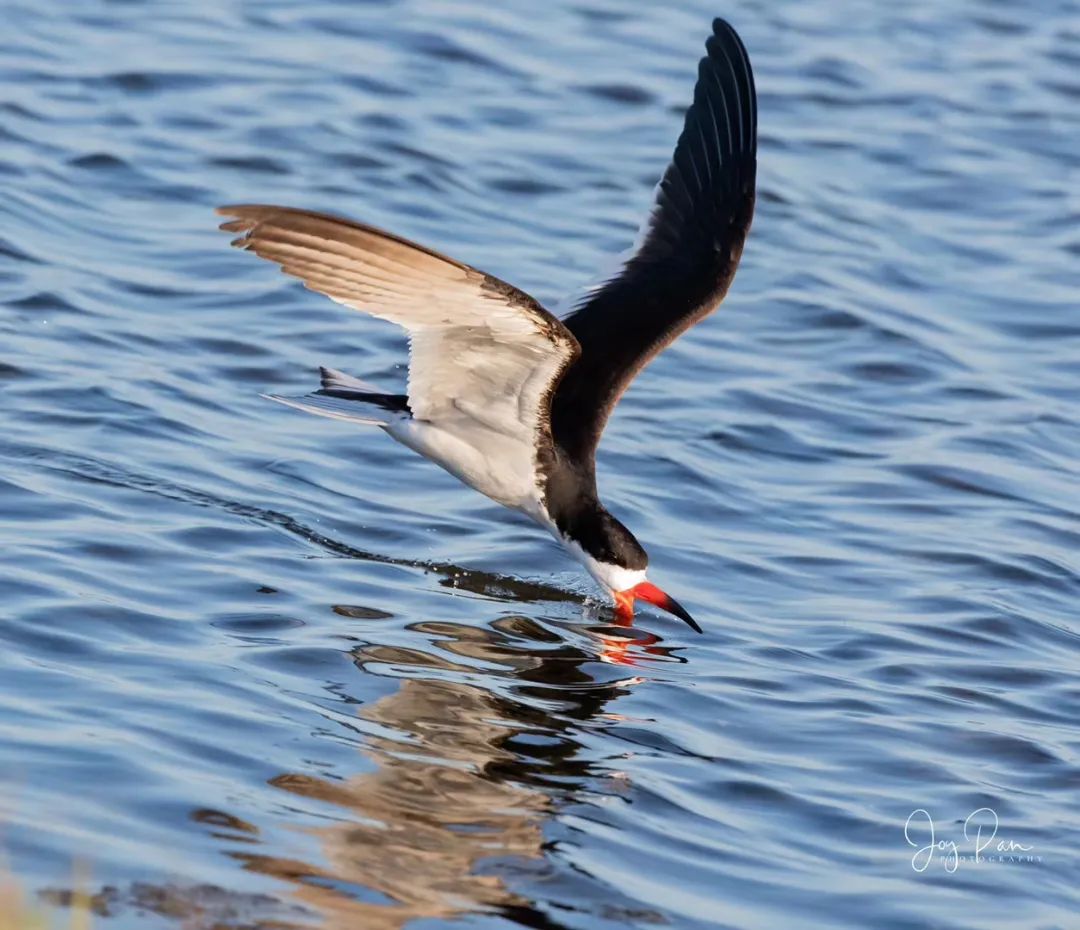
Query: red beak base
646, 591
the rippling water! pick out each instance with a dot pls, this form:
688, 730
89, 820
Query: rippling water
263, 669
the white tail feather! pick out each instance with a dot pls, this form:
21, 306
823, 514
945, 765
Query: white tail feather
355, 411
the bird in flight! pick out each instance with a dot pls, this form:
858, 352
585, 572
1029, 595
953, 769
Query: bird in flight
501, 393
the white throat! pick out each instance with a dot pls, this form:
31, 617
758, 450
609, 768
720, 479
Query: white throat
609, 576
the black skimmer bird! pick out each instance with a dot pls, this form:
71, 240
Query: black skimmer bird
501, 393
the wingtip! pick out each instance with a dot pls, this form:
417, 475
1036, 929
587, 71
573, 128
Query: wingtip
239, 209
724, 32
233, 227
237, 224
235, 211
245, 216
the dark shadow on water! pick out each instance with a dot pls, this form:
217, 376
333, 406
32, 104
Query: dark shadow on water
94, 471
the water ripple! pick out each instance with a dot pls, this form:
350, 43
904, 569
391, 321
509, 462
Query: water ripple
260, 670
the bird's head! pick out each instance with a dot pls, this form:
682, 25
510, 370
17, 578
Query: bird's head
618, 562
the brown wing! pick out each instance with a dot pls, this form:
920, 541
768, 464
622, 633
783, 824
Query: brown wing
480, 349
688, 255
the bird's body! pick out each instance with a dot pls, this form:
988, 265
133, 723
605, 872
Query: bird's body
502, 394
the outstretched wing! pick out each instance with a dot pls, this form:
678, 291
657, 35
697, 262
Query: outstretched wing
688, 254
480, 350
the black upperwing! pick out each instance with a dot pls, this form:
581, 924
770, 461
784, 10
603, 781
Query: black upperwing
688, 255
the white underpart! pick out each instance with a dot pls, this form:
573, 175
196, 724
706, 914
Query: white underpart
497, 465
478, 396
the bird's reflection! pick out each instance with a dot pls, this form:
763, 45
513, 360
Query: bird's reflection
477, 749
480, 750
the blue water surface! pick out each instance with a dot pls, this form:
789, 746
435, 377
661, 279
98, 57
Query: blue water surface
259, 669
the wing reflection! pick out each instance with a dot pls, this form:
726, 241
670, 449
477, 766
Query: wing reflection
480, 750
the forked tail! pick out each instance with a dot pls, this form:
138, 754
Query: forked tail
344, 397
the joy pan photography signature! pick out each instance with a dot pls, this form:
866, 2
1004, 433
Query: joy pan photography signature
978, 843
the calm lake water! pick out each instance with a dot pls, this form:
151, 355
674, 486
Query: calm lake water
263, 669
